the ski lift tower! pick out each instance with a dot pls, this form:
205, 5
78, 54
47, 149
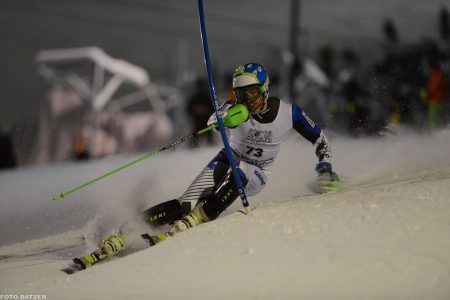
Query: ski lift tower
96, 87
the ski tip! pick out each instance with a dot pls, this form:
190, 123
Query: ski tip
79, 264
148, 239
59, 197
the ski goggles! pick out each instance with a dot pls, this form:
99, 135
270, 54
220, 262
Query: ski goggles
249, 93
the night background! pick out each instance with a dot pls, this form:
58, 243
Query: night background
382, 44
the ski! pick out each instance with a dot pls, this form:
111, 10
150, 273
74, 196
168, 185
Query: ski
152, 240
82, 263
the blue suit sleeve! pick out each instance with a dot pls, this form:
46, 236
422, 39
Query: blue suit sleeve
304, 125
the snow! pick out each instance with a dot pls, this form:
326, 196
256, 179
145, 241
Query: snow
386, 236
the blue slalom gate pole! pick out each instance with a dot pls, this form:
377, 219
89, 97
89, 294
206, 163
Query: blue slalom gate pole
215, 104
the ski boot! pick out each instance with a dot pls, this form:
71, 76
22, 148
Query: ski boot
196, 217
110, 247
112, 244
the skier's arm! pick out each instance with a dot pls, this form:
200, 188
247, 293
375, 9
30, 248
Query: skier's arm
310, 131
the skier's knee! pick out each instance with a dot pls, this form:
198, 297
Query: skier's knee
222, 196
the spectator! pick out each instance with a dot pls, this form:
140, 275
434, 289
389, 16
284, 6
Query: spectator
6, 152
199, 109
437, 91
80, 151
354, 94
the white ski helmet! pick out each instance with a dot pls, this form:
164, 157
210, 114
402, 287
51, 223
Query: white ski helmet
251, 74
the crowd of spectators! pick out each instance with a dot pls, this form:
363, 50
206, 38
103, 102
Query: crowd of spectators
408, 86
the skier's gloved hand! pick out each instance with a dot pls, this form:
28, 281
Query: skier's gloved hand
233, 116
327, 180
326, 168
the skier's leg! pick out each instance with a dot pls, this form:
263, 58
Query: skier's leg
254, 180
218, 200
170, 211
224, 194
205, 182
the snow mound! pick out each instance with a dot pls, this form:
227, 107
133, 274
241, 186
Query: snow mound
387, 239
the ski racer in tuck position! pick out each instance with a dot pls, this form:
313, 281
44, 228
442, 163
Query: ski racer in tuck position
255, 144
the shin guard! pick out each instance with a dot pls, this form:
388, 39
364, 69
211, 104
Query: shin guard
222, 196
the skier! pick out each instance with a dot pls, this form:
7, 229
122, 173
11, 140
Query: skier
255, 144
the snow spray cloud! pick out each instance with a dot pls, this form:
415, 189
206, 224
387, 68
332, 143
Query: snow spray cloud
26, 209
395, 154
358, 160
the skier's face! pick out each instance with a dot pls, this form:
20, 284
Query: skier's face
252, 97
255, 106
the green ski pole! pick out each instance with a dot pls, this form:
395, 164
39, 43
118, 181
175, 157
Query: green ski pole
235, 116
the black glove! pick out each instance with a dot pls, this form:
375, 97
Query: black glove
327, 180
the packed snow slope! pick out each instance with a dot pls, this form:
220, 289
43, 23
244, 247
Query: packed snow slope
386, 236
